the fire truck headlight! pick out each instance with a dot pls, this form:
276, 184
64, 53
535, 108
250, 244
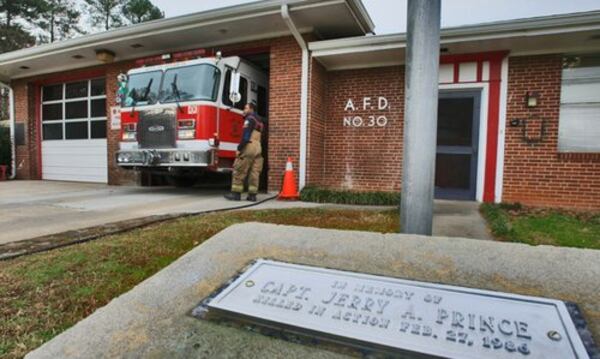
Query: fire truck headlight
128, 136
123, 157
186, 134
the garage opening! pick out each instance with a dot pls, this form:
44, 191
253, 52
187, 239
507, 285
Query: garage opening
73, 117
181, 121
261, 61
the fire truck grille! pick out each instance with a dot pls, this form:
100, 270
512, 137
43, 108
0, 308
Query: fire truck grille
156, 128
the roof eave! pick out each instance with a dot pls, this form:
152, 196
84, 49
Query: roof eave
520, 27
254, 9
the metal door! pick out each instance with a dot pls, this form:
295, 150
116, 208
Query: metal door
457, 145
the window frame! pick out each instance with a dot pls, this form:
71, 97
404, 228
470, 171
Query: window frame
215, 94
63, 102
225, 95
160, 85
564, 145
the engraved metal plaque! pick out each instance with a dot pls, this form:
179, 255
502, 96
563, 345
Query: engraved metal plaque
399, 316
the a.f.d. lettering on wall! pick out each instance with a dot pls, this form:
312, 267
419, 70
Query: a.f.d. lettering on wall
370, 112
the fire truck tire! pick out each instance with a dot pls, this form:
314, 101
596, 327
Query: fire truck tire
181, 181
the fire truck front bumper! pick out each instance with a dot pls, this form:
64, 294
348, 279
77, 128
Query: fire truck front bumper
164, 158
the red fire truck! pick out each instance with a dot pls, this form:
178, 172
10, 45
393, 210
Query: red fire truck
184, 119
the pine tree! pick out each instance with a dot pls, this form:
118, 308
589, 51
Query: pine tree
137, 11
60, 20
13, 10
105, 13
14, 37
14, 15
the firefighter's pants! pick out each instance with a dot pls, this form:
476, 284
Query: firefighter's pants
249, 163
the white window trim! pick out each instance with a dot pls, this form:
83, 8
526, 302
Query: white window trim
89, 98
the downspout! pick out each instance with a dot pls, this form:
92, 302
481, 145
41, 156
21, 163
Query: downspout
11, 120
285, 14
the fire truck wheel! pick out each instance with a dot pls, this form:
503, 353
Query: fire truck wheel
179, 181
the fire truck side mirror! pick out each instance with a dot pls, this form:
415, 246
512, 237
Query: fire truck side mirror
234, 88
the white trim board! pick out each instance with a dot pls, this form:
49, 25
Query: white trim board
501, 131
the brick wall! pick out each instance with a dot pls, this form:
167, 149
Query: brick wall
317, 118
26, 159
362, 158
116, 174
284, 107
537, 174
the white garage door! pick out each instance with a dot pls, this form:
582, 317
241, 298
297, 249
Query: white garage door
74, 144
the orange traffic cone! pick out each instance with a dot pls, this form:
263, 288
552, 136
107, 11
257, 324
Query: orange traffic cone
289, 190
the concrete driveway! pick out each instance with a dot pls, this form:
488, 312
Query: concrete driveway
31, 209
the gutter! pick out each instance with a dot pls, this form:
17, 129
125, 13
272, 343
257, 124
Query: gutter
11, 117
285, 14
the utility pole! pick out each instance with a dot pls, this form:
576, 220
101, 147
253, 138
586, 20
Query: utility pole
420, 115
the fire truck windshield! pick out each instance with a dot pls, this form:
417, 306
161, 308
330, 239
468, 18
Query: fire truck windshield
195, 82
143, 88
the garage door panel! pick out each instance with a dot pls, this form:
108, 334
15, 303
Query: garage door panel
84, 160
69, 163
84, 146
75, 150
73, 171
76, 159
76, 178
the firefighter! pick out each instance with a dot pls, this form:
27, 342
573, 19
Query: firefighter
249, 161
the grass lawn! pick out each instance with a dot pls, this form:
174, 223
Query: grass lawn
43, 294
558, 228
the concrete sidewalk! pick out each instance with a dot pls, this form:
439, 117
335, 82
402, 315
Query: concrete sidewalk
459, 219
31, 209
450, 218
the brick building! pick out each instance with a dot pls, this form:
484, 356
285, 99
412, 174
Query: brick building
519, 106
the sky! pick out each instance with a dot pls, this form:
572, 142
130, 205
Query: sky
389, 16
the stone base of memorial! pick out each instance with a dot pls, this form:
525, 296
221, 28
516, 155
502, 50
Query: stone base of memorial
262, 291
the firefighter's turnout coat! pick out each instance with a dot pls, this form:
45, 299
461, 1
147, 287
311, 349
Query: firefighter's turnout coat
249, 161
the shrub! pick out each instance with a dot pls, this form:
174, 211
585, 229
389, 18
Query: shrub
323, 195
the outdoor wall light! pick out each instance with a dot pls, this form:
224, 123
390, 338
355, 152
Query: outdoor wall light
105, 56
532, 99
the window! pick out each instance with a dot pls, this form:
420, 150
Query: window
198, 82
74, 111
579, 123
243, 91
142, 88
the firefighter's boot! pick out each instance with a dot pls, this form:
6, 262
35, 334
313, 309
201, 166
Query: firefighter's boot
234, 196
251, 197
